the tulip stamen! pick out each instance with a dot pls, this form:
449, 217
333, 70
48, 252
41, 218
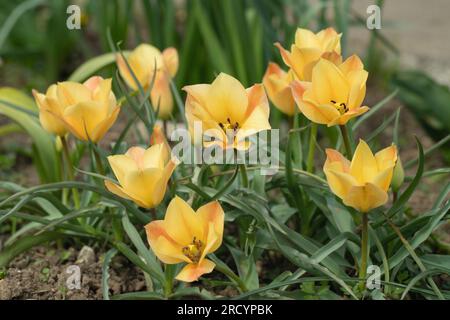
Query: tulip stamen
342, 107
194, 250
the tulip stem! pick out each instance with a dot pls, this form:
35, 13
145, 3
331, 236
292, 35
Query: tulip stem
364, 250
346, 138
69, 171
98, 162
312, 148
224, 269
244, 176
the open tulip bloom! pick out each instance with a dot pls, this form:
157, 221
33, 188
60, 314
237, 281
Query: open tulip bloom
227, 112
185, 236
335, 94
86, 110
144, 61
362, 183
143, 174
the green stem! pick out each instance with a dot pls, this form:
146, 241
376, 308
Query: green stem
98, 162
364, 251
312, 147
69, 171
223, 268
244, 177
346, 138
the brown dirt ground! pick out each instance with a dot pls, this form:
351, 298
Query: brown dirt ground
41, 274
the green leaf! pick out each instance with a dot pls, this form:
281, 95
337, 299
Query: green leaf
46, 155
105, 272
92, 66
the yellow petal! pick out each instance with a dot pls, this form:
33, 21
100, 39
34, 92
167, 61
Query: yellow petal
383, 179
93, 82
213, 217
161, 96
344, 118
386, 158
227, 99
158, 137
170, 57
158, 194
120, 165
182, 223
191, 272
334, 156
328, 83
165, 248
364, 166
101, 128
116, 189
303, 61
352, 63
154, 157
322, 114
329, 40
276, 82
141, 185
84, 117
365, 198
305, 38
340, 183
49, 113
70, 93
357, 80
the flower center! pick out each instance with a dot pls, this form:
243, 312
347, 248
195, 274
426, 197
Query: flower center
194, 250
229, 128
341, 107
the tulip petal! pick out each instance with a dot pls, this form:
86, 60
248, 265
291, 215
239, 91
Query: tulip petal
365, 198
343, 119
120, 165
334, 156
363, 166
154, 156
340, 183
192, 272
140, 185
71, 93
322, 114
276, 82
170, 57
159, 193
386, 158
213, 218
105, 125
352, 63
182, 223
161, 96
164, 247
305, 38
227, 99
116, 189
328, 83
383, 179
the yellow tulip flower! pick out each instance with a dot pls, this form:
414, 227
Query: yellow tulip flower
227, 111
142, 174
87, 110
362, 183
309, 48
335, 94
276, 82
50, 111
187, 236
144, 60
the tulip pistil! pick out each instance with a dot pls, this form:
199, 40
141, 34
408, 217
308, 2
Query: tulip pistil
342, 107
194, 250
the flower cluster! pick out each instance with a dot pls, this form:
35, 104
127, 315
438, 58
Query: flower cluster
319, 84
